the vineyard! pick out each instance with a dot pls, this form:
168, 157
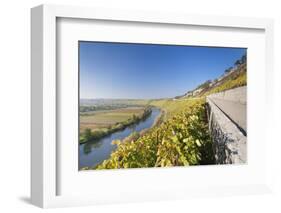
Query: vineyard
235, 81
181, 140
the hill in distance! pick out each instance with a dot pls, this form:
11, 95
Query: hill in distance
232, 78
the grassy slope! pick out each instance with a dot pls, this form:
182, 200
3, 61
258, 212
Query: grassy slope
238, 81
170, 106
233, 80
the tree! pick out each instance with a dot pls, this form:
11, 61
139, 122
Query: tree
237, 63
205, 84
134, 117
244, 59
228, 70
87, 134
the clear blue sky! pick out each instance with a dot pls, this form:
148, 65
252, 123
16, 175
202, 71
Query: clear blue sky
146, 71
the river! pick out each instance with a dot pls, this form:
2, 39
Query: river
95, 152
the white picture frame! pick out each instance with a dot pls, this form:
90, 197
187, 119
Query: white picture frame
45, 171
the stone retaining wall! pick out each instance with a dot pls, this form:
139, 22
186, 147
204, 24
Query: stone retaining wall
235, 95
229, 142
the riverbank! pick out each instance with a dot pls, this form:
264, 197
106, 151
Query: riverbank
160, 117
89, 135
136, 135
95, 152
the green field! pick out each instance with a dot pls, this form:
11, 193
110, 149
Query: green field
104, 119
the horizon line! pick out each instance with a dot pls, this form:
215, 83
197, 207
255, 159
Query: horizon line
127, 98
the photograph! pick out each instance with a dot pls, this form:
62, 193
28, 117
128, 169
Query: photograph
161, 105
144, 104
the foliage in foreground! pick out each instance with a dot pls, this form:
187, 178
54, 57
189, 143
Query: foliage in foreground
181, 140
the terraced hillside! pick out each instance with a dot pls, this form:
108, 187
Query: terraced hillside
236, 77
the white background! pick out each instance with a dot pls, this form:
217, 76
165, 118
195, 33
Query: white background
15, 104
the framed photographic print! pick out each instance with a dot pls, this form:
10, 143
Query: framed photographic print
149, 106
